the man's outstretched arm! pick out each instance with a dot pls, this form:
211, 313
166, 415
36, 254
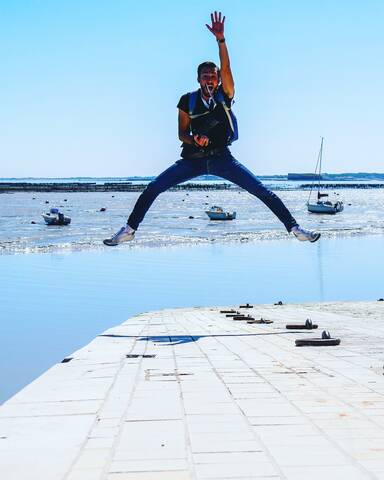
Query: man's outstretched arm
217, 29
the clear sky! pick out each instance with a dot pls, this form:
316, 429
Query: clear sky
90, 88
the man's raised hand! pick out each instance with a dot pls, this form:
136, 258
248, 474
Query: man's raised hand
217, 27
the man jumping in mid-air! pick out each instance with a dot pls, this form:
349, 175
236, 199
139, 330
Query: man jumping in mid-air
207, 126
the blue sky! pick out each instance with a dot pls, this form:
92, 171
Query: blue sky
89, 88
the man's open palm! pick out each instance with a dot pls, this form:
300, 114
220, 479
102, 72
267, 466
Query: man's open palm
217, 27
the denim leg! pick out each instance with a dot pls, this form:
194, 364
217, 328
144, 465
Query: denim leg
230, 169
179, 172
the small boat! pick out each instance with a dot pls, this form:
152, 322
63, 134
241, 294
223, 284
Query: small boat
217, 213
325, 207
54, 217
321, 206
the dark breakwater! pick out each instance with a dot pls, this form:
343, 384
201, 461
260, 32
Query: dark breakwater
308, 186
95, 187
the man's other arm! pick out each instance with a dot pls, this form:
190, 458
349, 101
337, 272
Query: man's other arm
185, 131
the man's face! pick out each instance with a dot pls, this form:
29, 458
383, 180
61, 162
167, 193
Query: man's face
209, 80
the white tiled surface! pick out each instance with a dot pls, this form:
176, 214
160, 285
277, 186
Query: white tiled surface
221, 399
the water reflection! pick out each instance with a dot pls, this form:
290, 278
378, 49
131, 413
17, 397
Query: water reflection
321, 274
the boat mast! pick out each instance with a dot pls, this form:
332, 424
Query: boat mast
319, 162
318, 167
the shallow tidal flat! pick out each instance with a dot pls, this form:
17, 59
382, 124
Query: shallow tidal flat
176, 218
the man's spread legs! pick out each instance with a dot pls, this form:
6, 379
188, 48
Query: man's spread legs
230, 169
179, 172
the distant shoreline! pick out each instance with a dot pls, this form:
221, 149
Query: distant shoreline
103, 187
13, 187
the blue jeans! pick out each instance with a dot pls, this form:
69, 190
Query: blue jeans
223, 165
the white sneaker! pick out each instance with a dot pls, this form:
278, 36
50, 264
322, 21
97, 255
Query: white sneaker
305, 235
125, 234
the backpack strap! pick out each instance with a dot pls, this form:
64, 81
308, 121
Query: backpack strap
230, 115
219, 96
192, 102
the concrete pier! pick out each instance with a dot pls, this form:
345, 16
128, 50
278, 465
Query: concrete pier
189, 393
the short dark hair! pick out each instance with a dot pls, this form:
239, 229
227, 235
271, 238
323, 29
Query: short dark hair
207, 65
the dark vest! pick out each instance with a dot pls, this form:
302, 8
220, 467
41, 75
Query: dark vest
202, 123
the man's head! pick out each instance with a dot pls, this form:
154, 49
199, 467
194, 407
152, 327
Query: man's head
208, 75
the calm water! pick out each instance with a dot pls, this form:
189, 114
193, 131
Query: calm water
54, 303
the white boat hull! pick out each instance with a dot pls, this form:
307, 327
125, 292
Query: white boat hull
325, 207
221, 215
54, 220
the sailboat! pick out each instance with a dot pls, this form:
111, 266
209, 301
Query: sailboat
322, 206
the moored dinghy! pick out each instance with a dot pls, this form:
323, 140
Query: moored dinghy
322, 206
54, 217
217, 213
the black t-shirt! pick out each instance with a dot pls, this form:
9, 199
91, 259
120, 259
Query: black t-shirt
214, 124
